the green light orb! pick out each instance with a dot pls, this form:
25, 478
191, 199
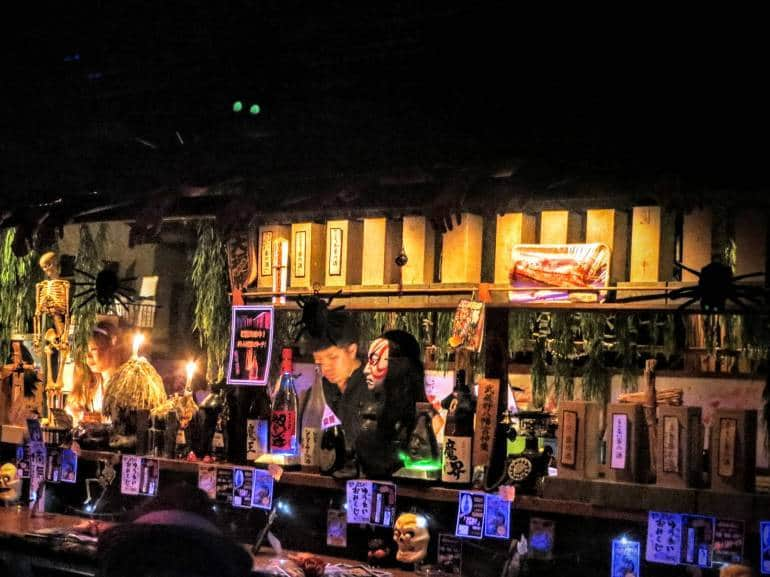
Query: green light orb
255, 109
237, 106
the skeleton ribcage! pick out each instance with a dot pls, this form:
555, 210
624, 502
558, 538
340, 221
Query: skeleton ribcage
53, 297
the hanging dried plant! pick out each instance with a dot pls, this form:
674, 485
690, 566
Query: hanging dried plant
563, 350
538, 374
17, 290
89, 259
596, 376
443, 328
519, 330
135, 385
211, 318
627, 335
670, 344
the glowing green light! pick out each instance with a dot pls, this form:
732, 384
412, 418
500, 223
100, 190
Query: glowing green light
237, 106
254, 109
421, 465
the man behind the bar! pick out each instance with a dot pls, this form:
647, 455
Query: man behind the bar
335, 351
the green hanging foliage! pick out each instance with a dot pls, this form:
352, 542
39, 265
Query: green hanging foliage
89, 259
18, 277
538, 374
211, 317
284, 333
519, 330
596, 376
443, 330
563, 349
670, 344
627, 334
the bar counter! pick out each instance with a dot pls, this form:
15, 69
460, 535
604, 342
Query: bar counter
28, 541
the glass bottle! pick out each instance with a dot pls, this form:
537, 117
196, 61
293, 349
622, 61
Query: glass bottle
219, 439
458, 434
258, 425
311, 425
283, 417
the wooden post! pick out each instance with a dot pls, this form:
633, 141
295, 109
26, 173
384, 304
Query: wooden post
650, 408
496, 367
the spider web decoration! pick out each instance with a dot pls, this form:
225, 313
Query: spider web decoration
716, 287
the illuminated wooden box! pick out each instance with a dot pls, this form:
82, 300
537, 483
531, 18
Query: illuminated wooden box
680, 444
512, 229
627, 443
461, 251
382, 244
268, 234
696, 241
578, 438
733, 448
418, 241
652, 244
750, 242
560, 227
308, 241
610, 227
343, 252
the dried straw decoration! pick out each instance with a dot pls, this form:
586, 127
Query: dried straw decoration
135, 385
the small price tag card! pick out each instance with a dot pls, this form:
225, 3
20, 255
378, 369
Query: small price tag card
207, 480
497, 517
450, 554
139, 476
764, 539
470, 515
625, 558
224, 489
22, 462
262, 489
728, 541
69, 466
371, 502
664, 538
243, 486
336, 528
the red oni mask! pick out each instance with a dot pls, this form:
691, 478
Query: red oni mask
376, 368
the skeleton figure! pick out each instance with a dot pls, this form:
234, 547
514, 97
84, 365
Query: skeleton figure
52, 300
412, 537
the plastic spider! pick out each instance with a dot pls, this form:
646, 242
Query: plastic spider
317, 319
106, 288
716, 286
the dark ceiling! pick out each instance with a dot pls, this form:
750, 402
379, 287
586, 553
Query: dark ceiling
112, 106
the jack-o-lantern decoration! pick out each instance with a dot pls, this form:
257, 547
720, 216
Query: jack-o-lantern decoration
412, 537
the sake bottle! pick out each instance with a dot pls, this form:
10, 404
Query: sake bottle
458, 434
311, 425
283, 417
258, 425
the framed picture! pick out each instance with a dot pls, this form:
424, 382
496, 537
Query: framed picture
251, 345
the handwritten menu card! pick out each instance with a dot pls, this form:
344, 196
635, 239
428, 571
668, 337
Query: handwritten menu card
664, 537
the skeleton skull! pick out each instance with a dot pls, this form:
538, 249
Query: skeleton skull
411, 535
49, 262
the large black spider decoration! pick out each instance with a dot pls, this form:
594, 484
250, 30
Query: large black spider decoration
318, 320
106, 288
716, 286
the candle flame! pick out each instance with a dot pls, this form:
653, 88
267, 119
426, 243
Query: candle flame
190, 368
138, 340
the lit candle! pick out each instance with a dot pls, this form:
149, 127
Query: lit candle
138, 340
191, 366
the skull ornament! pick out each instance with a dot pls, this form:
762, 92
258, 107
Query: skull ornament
49, 262
411, 536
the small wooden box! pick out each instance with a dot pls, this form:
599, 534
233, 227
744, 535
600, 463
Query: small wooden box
578, 438
461, 251
610, 227
382, 244
680, 444
343, 252
418, 239
627, 445
733, 449
308, 241
512, 229
696, 241
561, 227
652, 245
267, 235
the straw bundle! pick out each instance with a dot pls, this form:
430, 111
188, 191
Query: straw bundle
663, 397
135, 385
